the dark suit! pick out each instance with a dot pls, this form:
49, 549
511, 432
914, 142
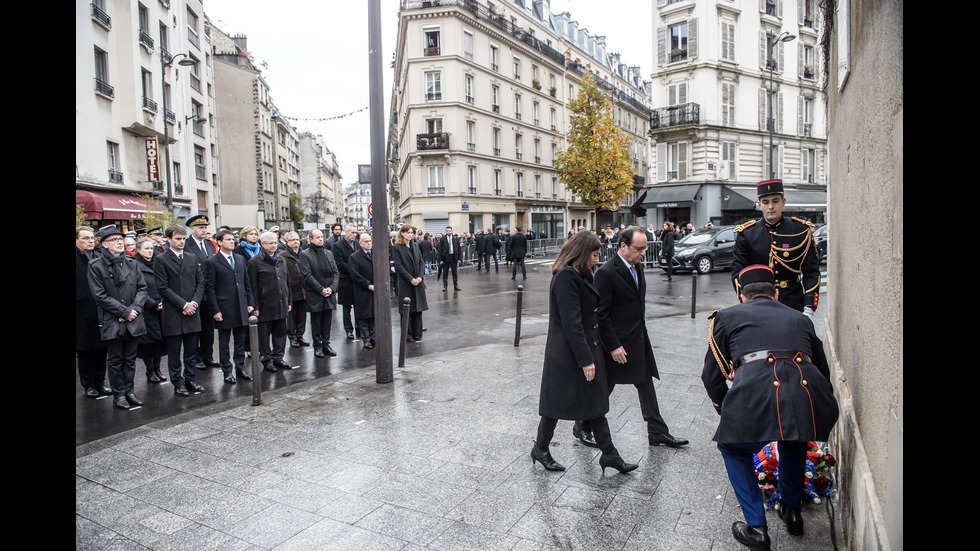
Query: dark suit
296, 321
362, 274
622, 322
89, 348
205, 343
345, 288
270, 287
179, 282
518, 250
319, 271
449, 261
228, 291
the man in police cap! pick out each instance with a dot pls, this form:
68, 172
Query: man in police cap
780, 391
202, 247
784, 244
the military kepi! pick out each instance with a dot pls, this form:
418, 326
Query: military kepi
769, 187
757, 273
199, 220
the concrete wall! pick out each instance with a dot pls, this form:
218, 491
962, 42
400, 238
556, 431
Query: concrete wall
864, 330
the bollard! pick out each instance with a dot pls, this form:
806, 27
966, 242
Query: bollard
694, 292
406, 309
517, 325
253, 337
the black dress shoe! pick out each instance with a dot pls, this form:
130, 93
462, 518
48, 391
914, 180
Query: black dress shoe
667, 440
615, 461
133, 400
211, 363
302, 342
793, 518
159, 375
668, 279
152, 377
545, 459
193, 387
584, 437
368, 344
201, 365
105, 391
269, 367
294, 343
350, 335
456, 288
244, 375
121, 403
92, 392
281, 365
755, 537
181, 392
230, 379
318, 352
330, 351
444, 289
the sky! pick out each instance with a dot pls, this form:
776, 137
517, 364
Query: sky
316, 57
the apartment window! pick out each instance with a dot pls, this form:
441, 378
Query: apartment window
143, 15
102, 74
534, 73
470, 136
534, 112
99, 14
553, 120
806, 117
471, 179
554, 188
672, 161
200, 171
551, 82
468, 44
195, 71
537, 186
517, 68
113, 162
678, 42
198, 124
770, 8
468, 87
496, 142
571, 92
808, 62
165, 42
496, 183
778, 153
518, 147
433, 85
729, 154
809, 165
147, 82
494, 58
178, 187
495, 94
771, 54
554, 153
431, 45
777, 110
517, 106
677, 94
728, 40
192, 24
537, 150
728, 104
520, 184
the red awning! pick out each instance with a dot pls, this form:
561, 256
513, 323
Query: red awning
106, 205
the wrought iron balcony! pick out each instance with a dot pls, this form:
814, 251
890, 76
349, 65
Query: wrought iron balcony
520, 193
170, 116
496, 108
518, 155
434, 190
146, 39
165, 54
471, 190
101, 16
471, 147
576, 68
537, 195
808, 73
494, 67
675, 115
115, 176
517, 116
179, 188
157, 186
537, 159
517, 76
469, 99
433, 96
679, 54
496, 152
432, 50
103, 88
553, 128
149, 104
536, 121
808, 130
435, 140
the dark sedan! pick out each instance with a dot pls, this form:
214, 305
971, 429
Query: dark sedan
820, 236
704, 250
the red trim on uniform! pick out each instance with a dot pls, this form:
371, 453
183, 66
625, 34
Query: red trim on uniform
768, 182
779, 419
755, 267
808, 397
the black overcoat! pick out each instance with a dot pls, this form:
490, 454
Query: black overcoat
341, 255
573, 343
117, 287
408, 266
319, 271
788, 399
270, 286
228, 290
518, 246
622, 322
179, 282
297, 288
86, 312
151, 316
362, 275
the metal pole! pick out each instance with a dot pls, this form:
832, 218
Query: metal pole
517, 324
771, 123
694, 293
406, 308
253, 337
379, 193
166, 134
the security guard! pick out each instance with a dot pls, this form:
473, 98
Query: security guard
780, 391
784, 244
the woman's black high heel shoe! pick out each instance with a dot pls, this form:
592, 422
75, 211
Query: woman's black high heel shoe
615, 461
547, 461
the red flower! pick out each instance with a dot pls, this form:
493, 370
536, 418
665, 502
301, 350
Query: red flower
820, 482
830, 460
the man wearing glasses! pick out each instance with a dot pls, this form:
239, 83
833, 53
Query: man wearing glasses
622, 327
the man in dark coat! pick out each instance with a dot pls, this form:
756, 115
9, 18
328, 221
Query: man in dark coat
449, 253
119, 291
784, 244
622, 325
320, 279
780, 391
362, 276
296, 321
518, 250
89, 348
180, 282
269, 278
200, 246
491, 244
342, 250
229, 296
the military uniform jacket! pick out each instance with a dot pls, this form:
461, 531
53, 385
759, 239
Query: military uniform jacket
573, 343
778, 397
789, 249
179, 282
622, 322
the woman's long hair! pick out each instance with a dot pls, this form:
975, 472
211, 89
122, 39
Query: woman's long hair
401, 237
576, 252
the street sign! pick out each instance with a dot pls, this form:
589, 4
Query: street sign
465, 207
369, 209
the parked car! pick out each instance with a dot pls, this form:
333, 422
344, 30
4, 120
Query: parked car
704, 250
820, 236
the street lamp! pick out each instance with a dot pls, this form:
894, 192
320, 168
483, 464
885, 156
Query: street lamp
166, 129
782, 37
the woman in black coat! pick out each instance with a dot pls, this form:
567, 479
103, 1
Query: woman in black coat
151, 345
573, 381
667, 250
409, 269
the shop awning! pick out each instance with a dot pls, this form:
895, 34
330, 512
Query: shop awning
797, 200
671, 196
106, 205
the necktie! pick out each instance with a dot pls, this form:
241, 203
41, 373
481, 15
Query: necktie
231, 260
635, 280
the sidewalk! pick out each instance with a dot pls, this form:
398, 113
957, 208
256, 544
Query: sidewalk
439, 459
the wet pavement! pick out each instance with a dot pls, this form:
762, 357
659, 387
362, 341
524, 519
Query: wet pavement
438, 459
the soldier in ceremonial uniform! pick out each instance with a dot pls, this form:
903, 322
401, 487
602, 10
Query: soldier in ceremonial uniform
780, 391
784, 244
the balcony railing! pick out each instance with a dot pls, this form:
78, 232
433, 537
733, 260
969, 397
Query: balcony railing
536, 121
808, 73
553, 128
517, 116
679, 54
165, 54
517, 76
520, 193
433, 96
146, 39
170, 116
675, 115
103, 88
149, 104
496, 152
496, 108
115, 176
101, 16
518, 155
469, 99
808, 129
432, 50
537, 159
435, 140
537, 195
471, 190
434, 190
471, 147
179, 188
494, 67
157, 186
